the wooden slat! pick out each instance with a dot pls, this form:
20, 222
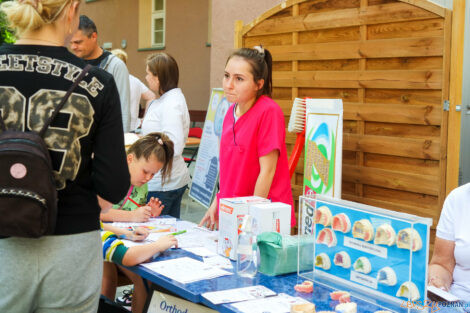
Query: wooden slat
403, 130
426, 202
329, 65
329, 35
380, 48
401, 164
426, 97
424, 28
388, 13
325, 6
398, 113
269, 40
328, 93
418, 79
405, 147
390, 205
415, 63
389, 179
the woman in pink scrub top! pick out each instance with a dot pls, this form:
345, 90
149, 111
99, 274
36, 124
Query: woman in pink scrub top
253, 156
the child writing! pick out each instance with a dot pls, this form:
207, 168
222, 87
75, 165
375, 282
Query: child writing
147, 156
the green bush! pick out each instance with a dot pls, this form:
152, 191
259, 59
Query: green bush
6, 35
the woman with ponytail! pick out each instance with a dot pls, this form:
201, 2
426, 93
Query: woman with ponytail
253, 156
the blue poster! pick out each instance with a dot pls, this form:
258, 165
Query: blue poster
206, 171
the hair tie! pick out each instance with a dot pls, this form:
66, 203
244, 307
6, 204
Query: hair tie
160, 141
260, 50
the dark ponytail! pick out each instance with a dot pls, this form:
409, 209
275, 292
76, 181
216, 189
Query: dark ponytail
261, 62
159, 145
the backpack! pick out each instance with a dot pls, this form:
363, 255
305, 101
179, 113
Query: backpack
28, 195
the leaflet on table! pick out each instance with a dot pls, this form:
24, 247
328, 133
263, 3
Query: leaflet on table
218, 261
277, 304
201, 251
153, 222
447, 296
238, 294
185, 270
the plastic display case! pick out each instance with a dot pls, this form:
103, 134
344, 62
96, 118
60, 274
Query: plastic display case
379, 255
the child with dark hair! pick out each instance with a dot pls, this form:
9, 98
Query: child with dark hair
150, 154
254, 158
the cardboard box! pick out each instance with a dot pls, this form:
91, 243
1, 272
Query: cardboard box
273, 216
231, 212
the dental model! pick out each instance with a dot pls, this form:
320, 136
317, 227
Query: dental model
341, 296
385, 235
303, 308
323, 261
409, 238
327, 237
408, 290
323, 216
362, 265
306, 287
341, 223
387, 276
342, 259
363, 229
350, 307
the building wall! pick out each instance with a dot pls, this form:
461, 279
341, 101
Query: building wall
186, 38
224, 15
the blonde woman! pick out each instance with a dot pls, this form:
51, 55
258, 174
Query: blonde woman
61, 272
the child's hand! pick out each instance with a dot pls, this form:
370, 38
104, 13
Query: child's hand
142, 214
139, 234
156, 206
166, 242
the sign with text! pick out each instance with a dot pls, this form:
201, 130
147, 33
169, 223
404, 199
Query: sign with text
206, 171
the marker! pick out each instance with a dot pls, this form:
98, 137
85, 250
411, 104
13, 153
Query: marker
178, 232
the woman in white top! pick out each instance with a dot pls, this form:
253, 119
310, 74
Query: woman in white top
450, 264
168, 114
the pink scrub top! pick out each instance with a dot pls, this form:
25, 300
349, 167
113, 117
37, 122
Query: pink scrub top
254, 134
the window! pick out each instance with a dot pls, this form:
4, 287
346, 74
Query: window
158, 23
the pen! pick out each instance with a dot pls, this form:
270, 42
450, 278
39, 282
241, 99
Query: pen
178, 232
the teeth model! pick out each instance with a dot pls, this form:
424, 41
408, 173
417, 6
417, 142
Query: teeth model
408, 290
342, 259
341, 223
387, 276
341, 296
363, 229
409, 238
362, 265
323, 216
327, 237
385, 235
323, 261
350, 307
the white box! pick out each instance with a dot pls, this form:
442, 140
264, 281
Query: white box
273, 216
231, 212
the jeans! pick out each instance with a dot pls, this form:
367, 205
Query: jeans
170, 199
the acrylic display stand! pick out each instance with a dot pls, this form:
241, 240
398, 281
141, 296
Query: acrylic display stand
378, 255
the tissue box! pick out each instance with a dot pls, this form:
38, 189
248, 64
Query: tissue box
273, 216
231, 212
279, 253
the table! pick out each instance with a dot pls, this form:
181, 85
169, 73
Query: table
280, 284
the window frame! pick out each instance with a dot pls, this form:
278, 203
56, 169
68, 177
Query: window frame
158, 14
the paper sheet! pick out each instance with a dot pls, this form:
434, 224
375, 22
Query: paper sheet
153, 222
218, 261
277, 304
201, 251
238, 294
185, 270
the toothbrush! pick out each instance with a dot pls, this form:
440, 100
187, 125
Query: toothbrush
297, 125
